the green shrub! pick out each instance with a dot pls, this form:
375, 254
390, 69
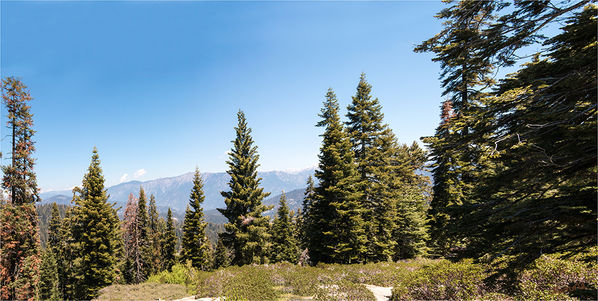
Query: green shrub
179, 274
252, 284
553, 278
442, 280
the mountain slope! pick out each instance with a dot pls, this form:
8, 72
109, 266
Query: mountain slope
174, 192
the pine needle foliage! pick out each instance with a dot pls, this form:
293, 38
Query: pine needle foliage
194, 243
246, 232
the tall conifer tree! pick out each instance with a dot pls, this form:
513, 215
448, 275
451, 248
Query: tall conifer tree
169, 243
144, 240
338, 233
154, 235
194, 243
95, 235
246, 232
19, 238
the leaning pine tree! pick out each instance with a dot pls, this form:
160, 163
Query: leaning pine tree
19, 239
95, 235
194, 244
246, 232
337, 232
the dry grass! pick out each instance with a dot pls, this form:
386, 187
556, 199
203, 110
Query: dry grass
143, 291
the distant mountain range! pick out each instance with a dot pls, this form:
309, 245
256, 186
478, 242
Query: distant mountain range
174, 192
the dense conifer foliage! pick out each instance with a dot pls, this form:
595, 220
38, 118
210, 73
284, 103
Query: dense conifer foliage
194, 244
338, 228
515, 161
246, 232
94, 227
284, 242
168, 243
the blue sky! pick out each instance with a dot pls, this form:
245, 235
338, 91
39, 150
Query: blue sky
156, 85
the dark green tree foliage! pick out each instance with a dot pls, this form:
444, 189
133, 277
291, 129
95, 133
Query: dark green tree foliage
195, 244
95, 235
305, 216
67, 277
54, 246
154, 236
222, 255
541, 198
373, 145
54, 237
284, 243
246, 232
169, 243
144, 262
442, 227
412, 193
19, 178
48, 284
337, 231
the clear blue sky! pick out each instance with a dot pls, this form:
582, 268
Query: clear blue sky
156, 85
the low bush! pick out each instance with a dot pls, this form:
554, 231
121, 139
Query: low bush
442, 280
555, 278
184, 275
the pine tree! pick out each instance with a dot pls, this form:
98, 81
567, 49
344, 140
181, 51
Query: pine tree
19, 178
169, 243
95, 235
54, 246
373, 144
222, 255
19, 238
337, 232
143, 262
48, 284
305, 216
154, 236
412, 192
54, 237
194, 244
246, 232
284, 245
541, 124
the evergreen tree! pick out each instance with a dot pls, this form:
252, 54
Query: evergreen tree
95, 235
337, 231
154, 236
194, 244
20, 243
169, 243
67, 277
48, 284
541, 124
54, 246
54, 237
412, 192
19, 178
222, 255
305, 216
284, 244
246, 232
143, 262
373, 144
